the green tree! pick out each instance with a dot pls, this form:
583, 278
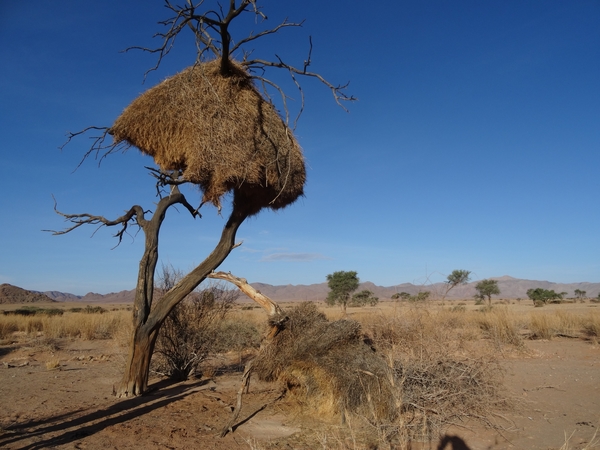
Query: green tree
420, 297
543, 295
457, 277
402, 295
362, 298
580, 294
487, 288
341, 286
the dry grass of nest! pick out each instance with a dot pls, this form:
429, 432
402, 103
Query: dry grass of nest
220, 132
328, 366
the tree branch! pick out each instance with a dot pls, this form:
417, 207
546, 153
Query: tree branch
135, 212
338, 91
211, 31
265, 302
253, 37
98, 145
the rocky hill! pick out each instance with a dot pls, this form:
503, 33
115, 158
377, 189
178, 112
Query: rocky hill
14, 294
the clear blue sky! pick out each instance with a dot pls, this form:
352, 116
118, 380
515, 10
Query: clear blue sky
474, 144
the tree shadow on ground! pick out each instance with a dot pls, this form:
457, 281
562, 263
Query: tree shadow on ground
161, 394
452, 443
5, 350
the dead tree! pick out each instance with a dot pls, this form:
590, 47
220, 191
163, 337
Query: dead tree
264, 166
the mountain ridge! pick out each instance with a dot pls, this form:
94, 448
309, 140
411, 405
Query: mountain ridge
510, 287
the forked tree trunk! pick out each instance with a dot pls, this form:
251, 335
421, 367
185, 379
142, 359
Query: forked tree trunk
148, 318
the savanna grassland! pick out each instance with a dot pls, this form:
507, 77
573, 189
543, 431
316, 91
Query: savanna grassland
465, 377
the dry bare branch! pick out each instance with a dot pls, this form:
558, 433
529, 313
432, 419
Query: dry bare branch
271, 307
253, 37
98, 145
338, 91
134, 214
211, 31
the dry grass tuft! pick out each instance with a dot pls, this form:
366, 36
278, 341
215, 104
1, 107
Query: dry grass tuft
591, 326
220, 132
559, 323
53, 364
500, 326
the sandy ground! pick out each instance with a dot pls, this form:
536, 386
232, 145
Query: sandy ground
557, 384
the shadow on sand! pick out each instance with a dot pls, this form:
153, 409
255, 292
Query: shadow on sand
73, 426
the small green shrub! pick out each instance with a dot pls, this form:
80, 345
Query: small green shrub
34, 310
94, 310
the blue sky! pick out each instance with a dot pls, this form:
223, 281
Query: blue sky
473, 145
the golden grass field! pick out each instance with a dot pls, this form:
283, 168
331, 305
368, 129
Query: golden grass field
511, 349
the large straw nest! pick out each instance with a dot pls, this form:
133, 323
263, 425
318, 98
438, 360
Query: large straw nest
220, 132
328, 366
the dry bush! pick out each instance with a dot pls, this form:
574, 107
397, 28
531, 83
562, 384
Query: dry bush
442, 372
442, 389
236, 335
191, 331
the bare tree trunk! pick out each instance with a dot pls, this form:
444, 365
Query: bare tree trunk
135, 378
147, 320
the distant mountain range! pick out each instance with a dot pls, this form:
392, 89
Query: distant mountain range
509, 287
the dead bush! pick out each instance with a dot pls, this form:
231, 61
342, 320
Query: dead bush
442, 372
441, 389
236, 335
191, 331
